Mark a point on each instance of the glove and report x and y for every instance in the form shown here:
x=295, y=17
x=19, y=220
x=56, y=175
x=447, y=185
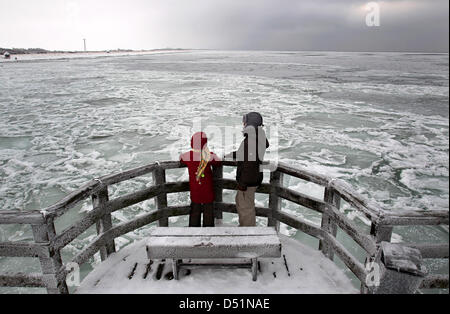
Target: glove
x=227, y=156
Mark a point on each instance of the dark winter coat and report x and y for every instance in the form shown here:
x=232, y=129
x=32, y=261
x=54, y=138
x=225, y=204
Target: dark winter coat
x=250, y=156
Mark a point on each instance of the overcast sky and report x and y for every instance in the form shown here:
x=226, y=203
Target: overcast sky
x=340, y=25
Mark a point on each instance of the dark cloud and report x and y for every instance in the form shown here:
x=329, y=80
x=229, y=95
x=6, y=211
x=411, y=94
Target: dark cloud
x=406, y=25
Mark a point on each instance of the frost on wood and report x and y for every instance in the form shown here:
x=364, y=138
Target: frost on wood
x=218, y=242
x=403, y=259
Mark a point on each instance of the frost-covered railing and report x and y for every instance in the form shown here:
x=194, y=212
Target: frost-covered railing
x=48, y=243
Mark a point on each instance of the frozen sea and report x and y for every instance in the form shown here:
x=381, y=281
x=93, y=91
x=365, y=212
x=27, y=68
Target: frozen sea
x=379, y=121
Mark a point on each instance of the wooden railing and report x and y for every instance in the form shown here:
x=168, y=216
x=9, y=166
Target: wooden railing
x=48, y=244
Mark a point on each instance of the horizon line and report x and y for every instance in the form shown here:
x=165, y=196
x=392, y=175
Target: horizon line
x=228, y=49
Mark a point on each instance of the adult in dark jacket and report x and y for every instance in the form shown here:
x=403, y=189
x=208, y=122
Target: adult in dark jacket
x=249, y=175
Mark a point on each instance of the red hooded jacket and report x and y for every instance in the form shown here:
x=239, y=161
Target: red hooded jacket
x=203, y=191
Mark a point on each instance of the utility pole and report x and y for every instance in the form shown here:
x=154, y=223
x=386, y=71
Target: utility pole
x=84, y=40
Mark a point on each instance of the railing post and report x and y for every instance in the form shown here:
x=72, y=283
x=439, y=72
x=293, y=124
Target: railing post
x=218, y=190
x=159, y=178
x=399, y=270
x=332, y=199
x=381, y=232
x=276, y=181
x=45, y=233
x=104, y=223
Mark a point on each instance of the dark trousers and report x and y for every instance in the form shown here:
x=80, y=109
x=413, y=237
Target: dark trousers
x=196, y=215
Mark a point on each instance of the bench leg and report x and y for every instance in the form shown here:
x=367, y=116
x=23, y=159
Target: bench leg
x=175, y=268
x=255, y=268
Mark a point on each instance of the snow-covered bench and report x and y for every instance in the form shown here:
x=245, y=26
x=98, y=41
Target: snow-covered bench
x=179, y=243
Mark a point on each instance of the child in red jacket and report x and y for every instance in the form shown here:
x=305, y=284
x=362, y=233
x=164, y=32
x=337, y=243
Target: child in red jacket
x=199, y=161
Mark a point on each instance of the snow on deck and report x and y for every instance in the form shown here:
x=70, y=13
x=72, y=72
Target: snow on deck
x=309, y=272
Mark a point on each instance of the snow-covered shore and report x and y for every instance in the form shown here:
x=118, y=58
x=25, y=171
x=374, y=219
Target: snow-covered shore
x=77, y=55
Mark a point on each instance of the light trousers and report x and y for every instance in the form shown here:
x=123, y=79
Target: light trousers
x=245, y=205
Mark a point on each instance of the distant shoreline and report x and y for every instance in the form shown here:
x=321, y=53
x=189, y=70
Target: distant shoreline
x=32, y=55
x=25, y=51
